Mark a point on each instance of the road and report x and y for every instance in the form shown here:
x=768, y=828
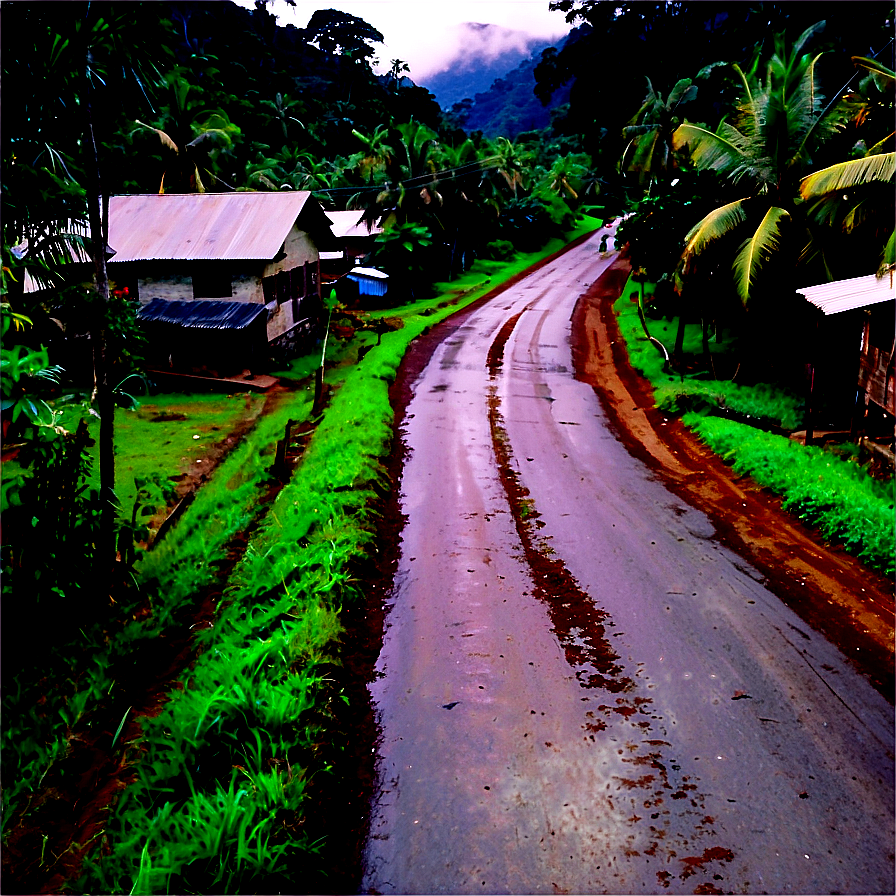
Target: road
x=580, y=690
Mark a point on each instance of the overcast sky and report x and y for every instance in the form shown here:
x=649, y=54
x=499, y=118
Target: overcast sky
x=429, y=35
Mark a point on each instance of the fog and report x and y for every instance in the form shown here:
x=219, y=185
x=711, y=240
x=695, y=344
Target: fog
x=431, y=37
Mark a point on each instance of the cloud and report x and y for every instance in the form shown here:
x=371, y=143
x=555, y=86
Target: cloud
x=468, y=45
x=432, y=37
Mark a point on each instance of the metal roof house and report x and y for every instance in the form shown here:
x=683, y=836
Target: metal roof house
x=208, y=264
x=863, y=308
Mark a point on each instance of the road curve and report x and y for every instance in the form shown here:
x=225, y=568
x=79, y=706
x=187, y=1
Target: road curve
x=579, y=689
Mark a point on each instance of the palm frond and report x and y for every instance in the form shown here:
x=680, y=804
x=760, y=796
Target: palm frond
x=844, y=175
x=720, y=151
x=805, y=37
x=881, y=72
x=165, y=140
x=756, y=250
x=716, y=224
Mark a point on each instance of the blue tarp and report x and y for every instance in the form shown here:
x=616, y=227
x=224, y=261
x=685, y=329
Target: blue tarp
x=370, y=282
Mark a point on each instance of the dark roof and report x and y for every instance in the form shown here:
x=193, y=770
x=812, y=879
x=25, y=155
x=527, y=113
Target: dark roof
x=205, y=314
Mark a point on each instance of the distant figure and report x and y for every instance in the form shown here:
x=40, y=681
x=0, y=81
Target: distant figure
x=603, y=242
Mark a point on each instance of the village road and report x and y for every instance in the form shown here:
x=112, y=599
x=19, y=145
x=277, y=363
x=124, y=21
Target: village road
x=580, y=690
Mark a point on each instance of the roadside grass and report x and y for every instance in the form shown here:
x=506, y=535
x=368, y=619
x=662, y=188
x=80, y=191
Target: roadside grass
x=42, y=720
x=828, y=490
x=219, y=800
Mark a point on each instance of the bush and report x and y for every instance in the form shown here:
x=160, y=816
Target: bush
x=499, y=250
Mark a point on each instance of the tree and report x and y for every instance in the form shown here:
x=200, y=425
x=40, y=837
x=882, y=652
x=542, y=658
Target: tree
x=779, y=124
x=192, y=133
x=74, y=66
x=851, y=200
x=650, y=151
x=395, y=72
x=339, y=33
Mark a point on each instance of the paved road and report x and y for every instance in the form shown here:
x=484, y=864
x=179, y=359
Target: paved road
x=580, y=690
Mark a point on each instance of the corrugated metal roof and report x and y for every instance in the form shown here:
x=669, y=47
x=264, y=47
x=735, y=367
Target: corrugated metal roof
x=202, y=226
x=205, y=314
x=845, y=295
x=349, y=224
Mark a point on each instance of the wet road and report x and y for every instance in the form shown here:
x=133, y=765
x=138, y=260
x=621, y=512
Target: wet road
x=580, y=690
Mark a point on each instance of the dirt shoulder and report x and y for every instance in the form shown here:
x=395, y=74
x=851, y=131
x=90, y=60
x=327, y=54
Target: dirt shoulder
x=832, y=591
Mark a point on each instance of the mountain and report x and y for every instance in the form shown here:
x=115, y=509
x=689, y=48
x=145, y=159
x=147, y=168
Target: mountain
x=505, y=104
x=488, y=52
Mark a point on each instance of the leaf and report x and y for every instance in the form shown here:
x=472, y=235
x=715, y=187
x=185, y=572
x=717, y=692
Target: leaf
x=845, y=175
x=716, y=224
x=757, y=250
x=875, y=67
x=720, y=151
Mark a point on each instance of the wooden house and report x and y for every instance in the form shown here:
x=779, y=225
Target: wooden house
x=223, y=279
x=861, y=311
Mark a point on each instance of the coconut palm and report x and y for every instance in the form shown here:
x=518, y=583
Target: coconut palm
x=779, y=124
x=377, y=154
x=853, y=195
x=192, y=133
x=649, y=150
x=507, y=160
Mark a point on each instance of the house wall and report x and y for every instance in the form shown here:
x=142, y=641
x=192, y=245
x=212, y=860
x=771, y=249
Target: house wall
x=298, y=248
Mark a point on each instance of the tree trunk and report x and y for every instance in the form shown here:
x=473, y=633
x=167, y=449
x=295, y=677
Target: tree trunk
x=97, y=210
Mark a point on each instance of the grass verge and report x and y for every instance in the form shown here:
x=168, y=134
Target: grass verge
x=829, y=492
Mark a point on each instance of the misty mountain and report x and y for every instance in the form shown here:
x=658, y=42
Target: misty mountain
x=506, y=104
x=489, y=52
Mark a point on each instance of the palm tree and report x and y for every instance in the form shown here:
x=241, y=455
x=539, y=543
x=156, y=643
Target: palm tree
x=650, y=150
x=281, y=108
x=395, y=72
x=778, y=126
x=377, y=154
x=187, y=160
x=849, y=197
x=509, y=161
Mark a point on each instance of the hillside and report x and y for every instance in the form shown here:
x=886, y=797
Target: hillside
x=508, y=106
x=489, y=52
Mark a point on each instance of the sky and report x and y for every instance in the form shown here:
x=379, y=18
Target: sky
x=429, y=35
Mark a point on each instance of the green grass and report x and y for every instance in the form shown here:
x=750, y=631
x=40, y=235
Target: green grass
x=157, y=439
x=40, y=720
x=829, y=491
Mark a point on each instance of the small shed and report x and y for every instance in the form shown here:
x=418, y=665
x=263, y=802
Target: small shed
x=874, y=299
x=371, y=282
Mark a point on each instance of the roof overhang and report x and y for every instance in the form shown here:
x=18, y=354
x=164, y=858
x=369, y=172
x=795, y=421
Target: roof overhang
x=847, y=295
x=202, y=314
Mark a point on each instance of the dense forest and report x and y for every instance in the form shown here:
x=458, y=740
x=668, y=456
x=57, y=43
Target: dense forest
x=749, y=144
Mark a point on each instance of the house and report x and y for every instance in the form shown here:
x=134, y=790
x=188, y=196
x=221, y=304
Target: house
x=223, y=279
x=354, y=235
x=859, y=313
